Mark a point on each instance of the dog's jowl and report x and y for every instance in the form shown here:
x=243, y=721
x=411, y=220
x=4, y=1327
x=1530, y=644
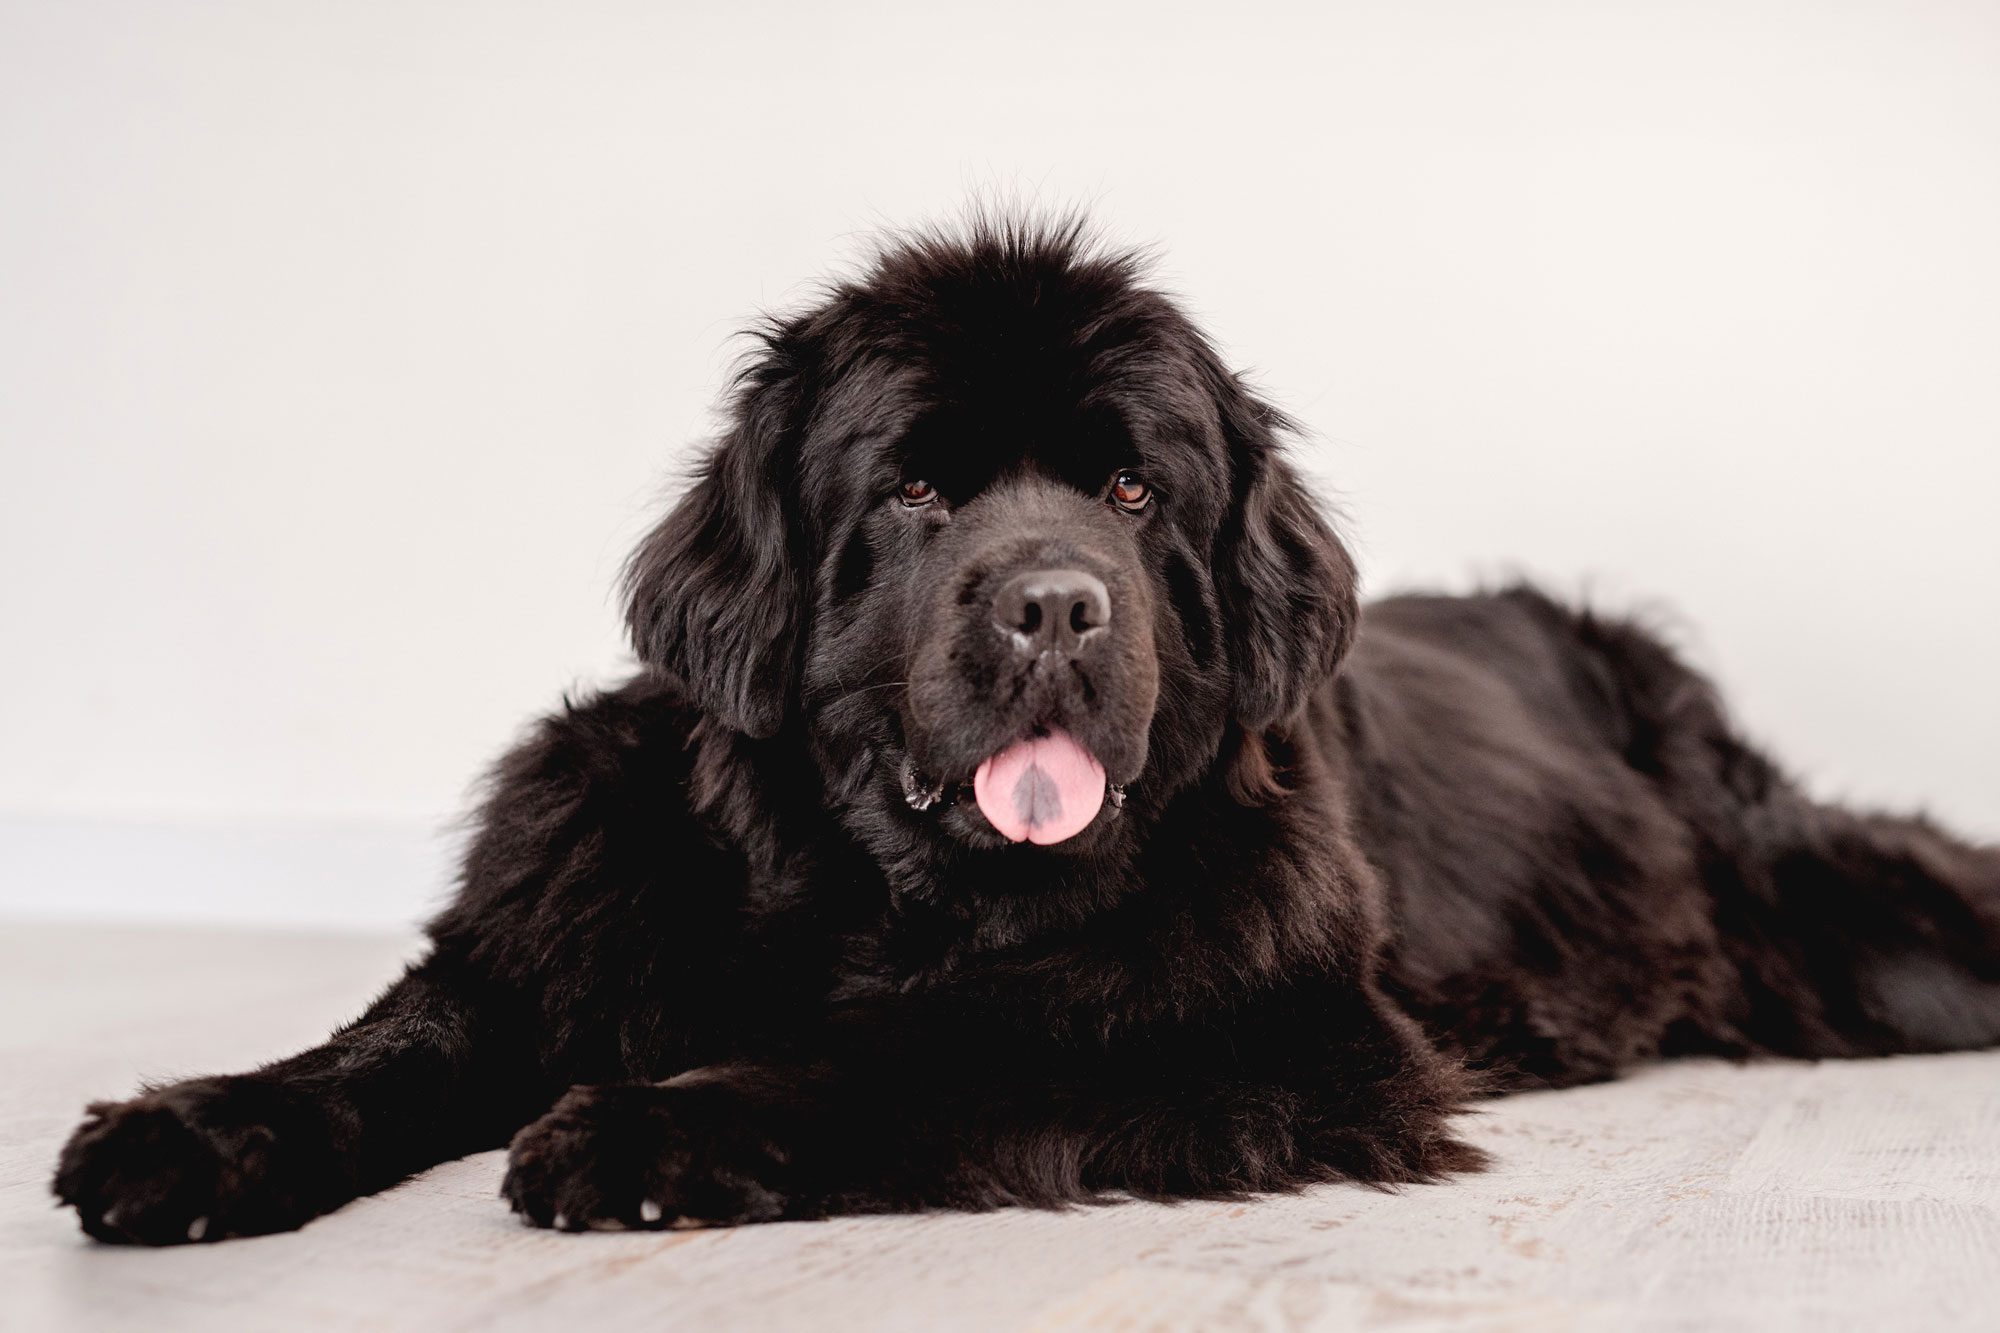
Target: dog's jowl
x=1016, y=805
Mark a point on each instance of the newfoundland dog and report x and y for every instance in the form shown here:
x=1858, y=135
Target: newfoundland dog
x=1017, y=806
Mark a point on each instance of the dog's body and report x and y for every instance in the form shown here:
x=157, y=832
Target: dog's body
x=1018, y=807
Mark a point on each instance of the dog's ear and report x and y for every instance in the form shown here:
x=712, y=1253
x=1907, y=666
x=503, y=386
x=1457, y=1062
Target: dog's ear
x=1287, y=585
x=714, y=596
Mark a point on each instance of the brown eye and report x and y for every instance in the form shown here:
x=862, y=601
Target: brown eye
x=1129, y=493
x=917, y=494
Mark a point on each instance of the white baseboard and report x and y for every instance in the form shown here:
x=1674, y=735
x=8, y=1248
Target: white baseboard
x=344, y=876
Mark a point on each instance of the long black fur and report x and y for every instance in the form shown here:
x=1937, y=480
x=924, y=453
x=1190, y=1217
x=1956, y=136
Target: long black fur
x=732, y=945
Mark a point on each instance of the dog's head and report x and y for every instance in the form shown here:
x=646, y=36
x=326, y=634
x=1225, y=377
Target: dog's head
x=997, y=534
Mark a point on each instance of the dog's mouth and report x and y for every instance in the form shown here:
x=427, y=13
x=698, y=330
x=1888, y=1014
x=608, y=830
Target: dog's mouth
x=1043, y=789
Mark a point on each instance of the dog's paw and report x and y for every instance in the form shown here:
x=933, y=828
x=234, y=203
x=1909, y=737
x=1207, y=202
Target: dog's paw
x=645, y=1156
x=193, y=1162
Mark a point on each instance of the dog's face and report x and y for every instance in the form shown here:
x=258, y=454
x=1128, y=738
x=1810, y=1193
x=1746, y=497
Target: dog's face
x=999, y=537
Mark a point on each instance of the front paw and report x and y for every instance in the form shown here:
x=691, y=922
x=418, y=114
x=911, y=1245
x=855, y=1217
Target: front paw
x=640, y=1155
x=196, y=1161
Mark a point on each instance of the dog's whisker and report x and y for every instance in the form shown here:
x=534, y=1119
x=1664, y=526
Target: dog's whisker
x=860, y=690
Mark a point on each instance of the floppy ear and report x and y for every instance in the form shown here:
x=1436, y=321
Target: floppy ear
x=1288, y=586
x=713, y=596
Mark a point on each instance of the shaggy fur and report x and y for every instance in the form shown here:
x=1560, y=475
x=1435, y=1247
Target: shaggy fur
x=733, y=945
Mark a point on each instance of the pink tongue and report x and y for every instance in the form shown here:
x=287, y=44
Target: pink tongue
x=1041, y=790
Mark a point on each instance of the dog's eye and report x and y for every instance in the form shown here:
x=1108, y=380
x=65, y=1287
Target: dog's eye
x=1129, y=493
x=917, y=494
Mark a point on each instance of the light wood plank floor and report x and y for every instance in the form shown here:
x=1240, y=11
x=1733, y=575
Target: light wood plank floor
x=1692, y=1196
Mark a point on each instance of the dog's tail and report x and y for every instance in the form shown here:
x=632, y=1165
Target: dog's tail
x=1853, y=933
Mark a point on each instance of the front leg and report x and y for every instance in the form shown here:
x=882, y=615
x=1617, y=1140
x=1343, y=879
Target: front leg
x=416, y=1080
x=711, y=1147
x=584, y=874
x=972, y=1126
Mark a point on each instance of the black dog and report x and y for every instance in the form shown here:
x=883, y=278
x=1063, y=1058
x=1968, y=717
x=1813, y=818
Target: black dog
x=1017, y=807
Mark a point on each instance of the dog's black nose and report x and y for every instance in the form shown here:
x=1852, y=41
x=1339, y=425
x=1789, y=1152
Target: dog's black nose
x=1060, y=609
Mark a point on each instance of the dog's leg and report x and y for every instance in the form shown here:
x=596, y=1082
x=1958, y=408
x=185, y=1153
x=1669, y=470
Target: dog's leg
x=1848, y=933
x=1861, y=934
x=593, y=921
x=412, y=1082
x=963, y=1121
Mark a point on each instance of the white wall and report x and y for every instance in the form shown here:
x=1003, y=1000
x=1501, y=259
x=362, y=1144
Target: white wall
x=344, y=348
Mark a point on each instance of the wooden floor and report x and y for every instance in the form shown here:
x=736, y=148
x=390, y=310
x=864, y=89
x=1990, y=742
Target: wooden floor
x=1693, y=1196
